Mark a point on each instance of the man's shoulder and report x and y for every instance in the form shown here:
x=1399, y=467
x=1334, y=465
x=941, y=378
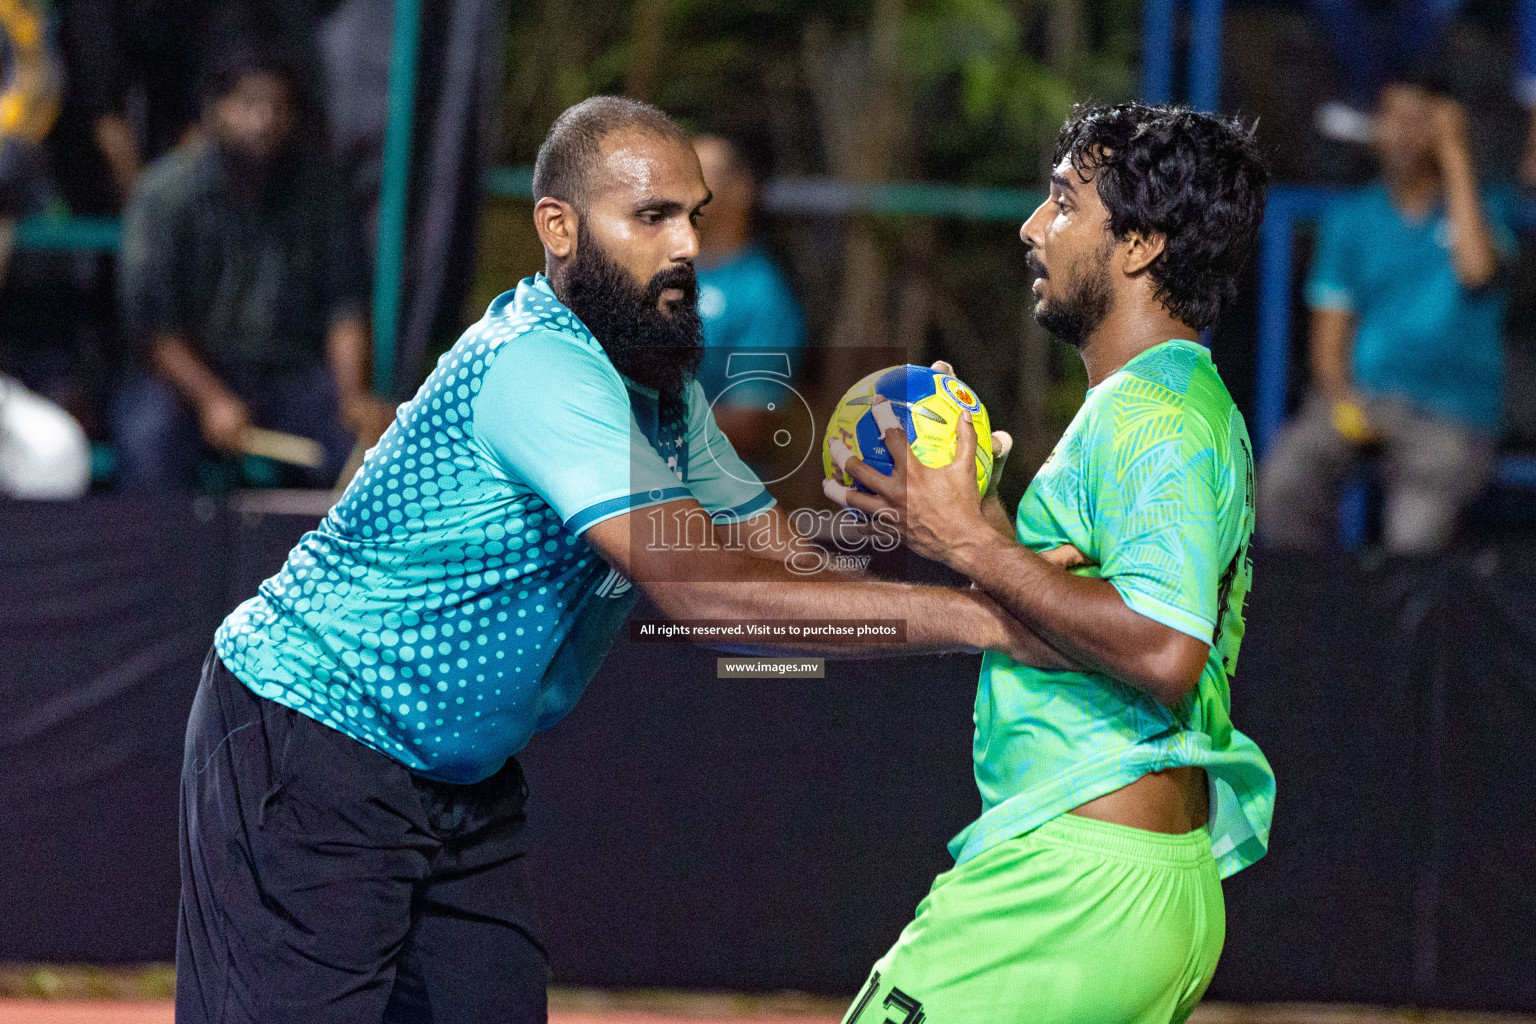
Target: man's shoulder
x=1372, y=200
x=1170, y=390
x=527, y=335
x=769, y=277
x=532, y=310
x=1501, y=206
x=1358, y=209
x=758, y=262
x=180, y=176
x=1162, y=373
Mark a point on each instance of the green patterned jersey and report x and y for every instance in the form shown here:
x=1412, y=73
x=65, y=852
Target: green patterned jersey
x=1153, y=482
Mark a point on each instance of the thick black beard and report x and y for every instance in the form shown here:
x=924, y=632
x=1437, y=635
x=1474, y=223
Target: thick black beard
x=656, y=349
x=1075, y=318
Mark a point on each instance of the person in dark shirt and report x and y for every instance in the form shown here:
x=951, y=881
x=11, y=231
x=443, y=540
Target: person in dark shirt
x=240, y=282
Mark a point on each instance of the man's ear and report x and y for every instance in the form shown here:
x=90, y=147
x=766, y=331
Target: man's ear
x=1141, y=251
x=555, y=221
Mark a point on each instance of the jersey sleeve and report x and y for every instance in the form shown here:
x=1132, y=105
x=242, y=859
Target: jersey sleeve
x=1331, y=284
x=554, y=415
x=721, y=482
x=1157, y=517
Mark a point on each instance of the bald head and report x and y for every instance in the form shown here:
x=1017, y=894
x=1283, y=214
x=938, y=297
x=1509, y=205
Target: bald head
x=573, y=151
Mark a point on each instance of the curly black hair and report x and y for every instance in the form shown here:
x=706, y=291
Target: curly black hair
x=1197, y=179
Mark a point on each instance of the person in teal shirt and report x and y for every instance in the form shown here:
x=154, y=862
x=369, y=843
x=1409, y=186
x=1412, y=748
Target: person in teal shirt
x=1408, y=297
x=754, y=332
x=1116, y=793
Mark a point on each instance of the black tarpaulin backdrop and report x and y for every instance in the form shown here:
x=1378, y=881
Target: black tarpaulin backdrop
x=458, y=77
x=695, y=832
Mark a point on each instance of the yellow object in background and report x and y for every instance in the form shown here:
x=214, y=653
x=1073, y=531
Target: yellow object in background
x=290, y=448
x=29, y=76
x=1351, y=423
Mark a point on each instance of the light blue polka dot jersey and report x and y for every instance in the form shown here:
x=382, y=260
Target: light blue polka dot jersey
x=447, y=608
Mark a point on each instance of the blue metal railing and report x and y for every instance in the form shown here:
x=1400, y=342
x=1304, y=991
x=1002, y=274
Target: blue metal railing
x=68, y=234
x=831, y=196
x=780, y=195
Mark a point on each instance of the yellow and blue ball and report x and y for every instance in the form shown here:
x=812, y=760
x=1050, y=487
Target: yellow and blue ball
x=927, y=403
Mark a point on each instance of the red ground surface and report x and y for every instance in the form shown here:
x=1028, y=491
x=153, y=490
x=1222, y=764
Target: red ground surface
x=27, y=1011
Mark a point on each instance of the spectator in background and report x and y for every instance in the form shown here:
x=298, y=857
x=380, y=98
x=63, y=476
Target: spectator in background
x=1407, y=300
x=133, y=69
x=130, y=94
x=43, y=451
x=240, y=280
x=744, y=300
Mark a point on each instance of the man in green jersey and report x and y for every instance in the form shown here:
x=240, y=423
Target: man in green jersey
x=1115, y=796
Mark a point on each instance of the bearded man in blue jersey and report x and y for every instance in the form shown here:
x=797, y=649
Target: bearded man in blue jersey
x=352, y=810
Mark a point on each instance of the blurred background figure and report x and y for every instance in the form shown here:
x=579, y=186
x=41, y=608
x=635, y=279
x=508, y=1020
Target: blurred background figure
x=353, y=42
x=44, y=454
x=241, y=286
x=131, y=94
x=1407, y=294
x=1412, y=33
x=29, y=76
x=133, y=70
x=746, y=303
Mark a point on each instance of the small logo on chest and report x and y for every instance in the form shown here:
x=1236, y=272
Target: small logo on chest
x=614, y=585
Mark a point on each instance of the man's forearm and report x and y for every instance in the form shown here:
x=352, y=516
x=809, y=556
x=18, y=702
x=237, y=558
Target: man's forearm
x=1331, y=334
x=720, y=581
x=935, y=605
x=997, y=517
x=175, y=362
x=347, y=354
x=936, y=619
x=1472, y=250
x=1085, y=619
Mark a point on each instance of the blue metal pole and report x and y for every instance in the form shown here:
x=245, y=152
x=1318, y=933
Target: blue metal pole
x=1287, y=205
x=1274, y=316
x=1354, y=513
x=1205, y=55
x=395, y=192
x=1157, y=51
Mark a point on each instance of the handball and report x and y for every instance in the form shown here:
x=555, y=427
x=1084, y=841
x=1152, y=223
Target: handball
x=927, y=403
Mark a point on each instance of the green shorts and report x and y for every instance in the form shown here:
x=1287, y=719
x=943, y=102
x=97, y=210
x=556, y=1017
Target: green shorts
x=1077, y=922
